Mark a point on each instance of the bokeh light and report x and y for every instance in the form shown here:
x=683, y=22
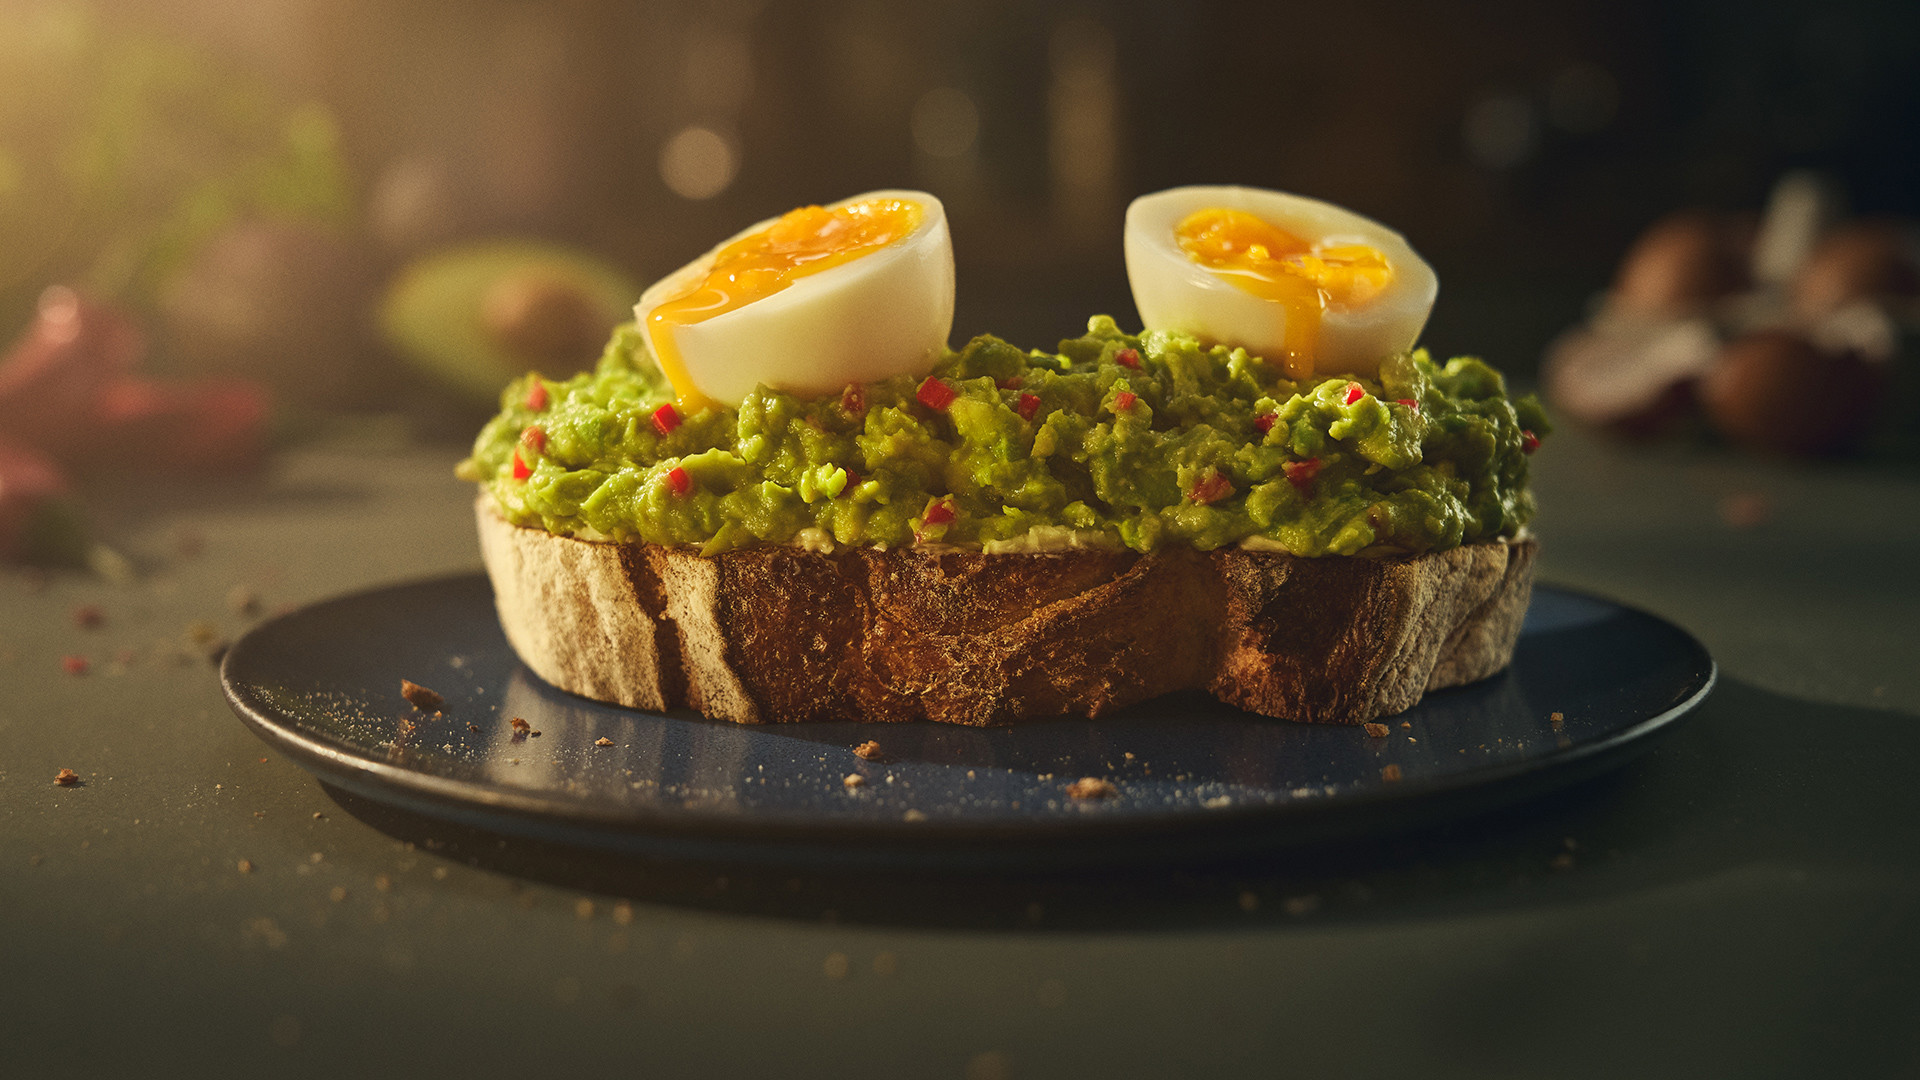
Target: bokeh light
x=946, y=122
x=698, y=163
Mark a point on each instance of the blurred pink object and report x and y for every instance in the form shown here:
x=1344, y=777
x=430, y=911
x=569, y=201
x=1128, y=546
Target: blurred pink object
x=54, y=374
x=66, y=391
x=207, y=425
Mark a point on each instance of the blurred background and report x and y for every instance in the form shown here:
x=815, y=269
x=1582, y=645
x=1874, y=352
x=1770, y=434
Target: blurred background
x=357, y=204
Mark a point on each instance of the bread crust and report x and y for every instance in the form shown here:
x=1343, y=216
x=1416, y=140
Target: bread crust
x=782, y=634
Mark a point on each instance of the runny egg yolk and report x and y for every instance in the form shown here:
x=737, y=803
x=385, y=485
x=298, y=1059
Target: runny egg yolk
x=801, y=243
x=1276, y=265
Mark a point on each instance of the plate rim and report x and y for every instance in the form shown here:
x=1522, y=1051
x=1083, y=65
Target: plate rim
x=383, y=780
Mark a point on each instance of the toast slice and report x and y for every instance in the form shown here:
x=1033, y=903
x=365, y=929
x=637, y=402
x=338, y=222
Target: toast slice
x=782, y=634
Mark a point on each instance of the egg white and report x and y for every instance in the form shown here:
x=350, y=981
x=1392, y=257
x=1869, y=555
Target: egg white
x=886, y=313
x=1173, y=292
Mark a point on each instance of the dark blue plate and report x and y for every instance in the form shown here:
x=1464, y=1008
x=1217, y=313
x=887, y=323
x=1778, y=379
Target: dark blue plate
x=1590, y=682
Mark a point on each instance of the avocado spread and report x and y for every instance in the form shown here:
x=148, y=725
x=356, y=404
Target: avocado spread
x=1116, y=440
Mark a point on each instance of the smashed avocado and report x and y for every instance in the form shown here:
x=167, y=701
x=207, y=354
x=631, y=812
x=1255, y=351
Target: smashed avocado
x=1116, y=440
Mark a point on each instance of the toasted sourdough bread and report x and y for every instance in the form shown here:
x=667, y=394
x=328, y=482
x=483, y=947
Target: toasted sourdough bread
x=776, y=634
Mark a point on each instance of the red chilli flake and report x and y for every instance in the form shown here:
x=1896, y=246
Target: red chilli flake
x=1301, y=473
x=75, y=665
x=1123, y=401
x=1529, y=442
x=854, y=400
x=1211, y=490
x=535, y=439
x=520, y=470
x=1264, y=422
x=1355, y=392
x=1127, y=358
x=853, y=481
x=935, y=394
x=537, y=396
x=940, y=513
x=1012, y=382
x=1029, y=405
x=665, y=419
x=1408, y=402
x=679, y=482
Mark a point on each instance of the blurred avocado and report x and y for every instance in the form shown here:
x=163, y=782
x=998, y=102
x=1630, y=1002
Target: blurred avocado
x=475, y=316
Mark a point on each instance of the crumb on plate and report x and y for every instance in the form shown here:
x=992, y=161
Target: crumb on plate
x=419, y=696
x=1091, y=787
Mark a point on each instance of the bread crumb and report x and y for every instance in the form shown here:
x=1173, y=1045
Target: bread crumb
x=603, y=741
x=317, y=815
x=473, y=727
x=1090, y=787
x=853, y=780
x=867, y=751
x=1558, y=720
x=243, y=601
x=1406, y=723
x=245, y=866
x=206, y=638
x=583, y=909
x=521, y=727
x=338, y=894
x=383, y=883
x=66, y=778
x=623, y=913
x=1390, y=773
x=1376, y=731
x=419, y=696
x=913, y=815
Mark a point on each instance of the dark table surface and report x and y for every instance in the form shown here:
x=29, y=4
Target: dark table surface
x=1744, y=900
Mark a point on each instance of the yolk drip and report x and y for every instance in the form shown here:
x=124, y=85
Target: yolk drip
x=1276, y=265
x=802, y=242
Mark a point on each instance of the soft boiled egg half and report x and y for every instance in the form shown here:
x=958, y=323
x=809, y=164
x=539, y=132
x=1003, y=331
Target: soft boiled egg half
x=1303, y=283
x=808, y=302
